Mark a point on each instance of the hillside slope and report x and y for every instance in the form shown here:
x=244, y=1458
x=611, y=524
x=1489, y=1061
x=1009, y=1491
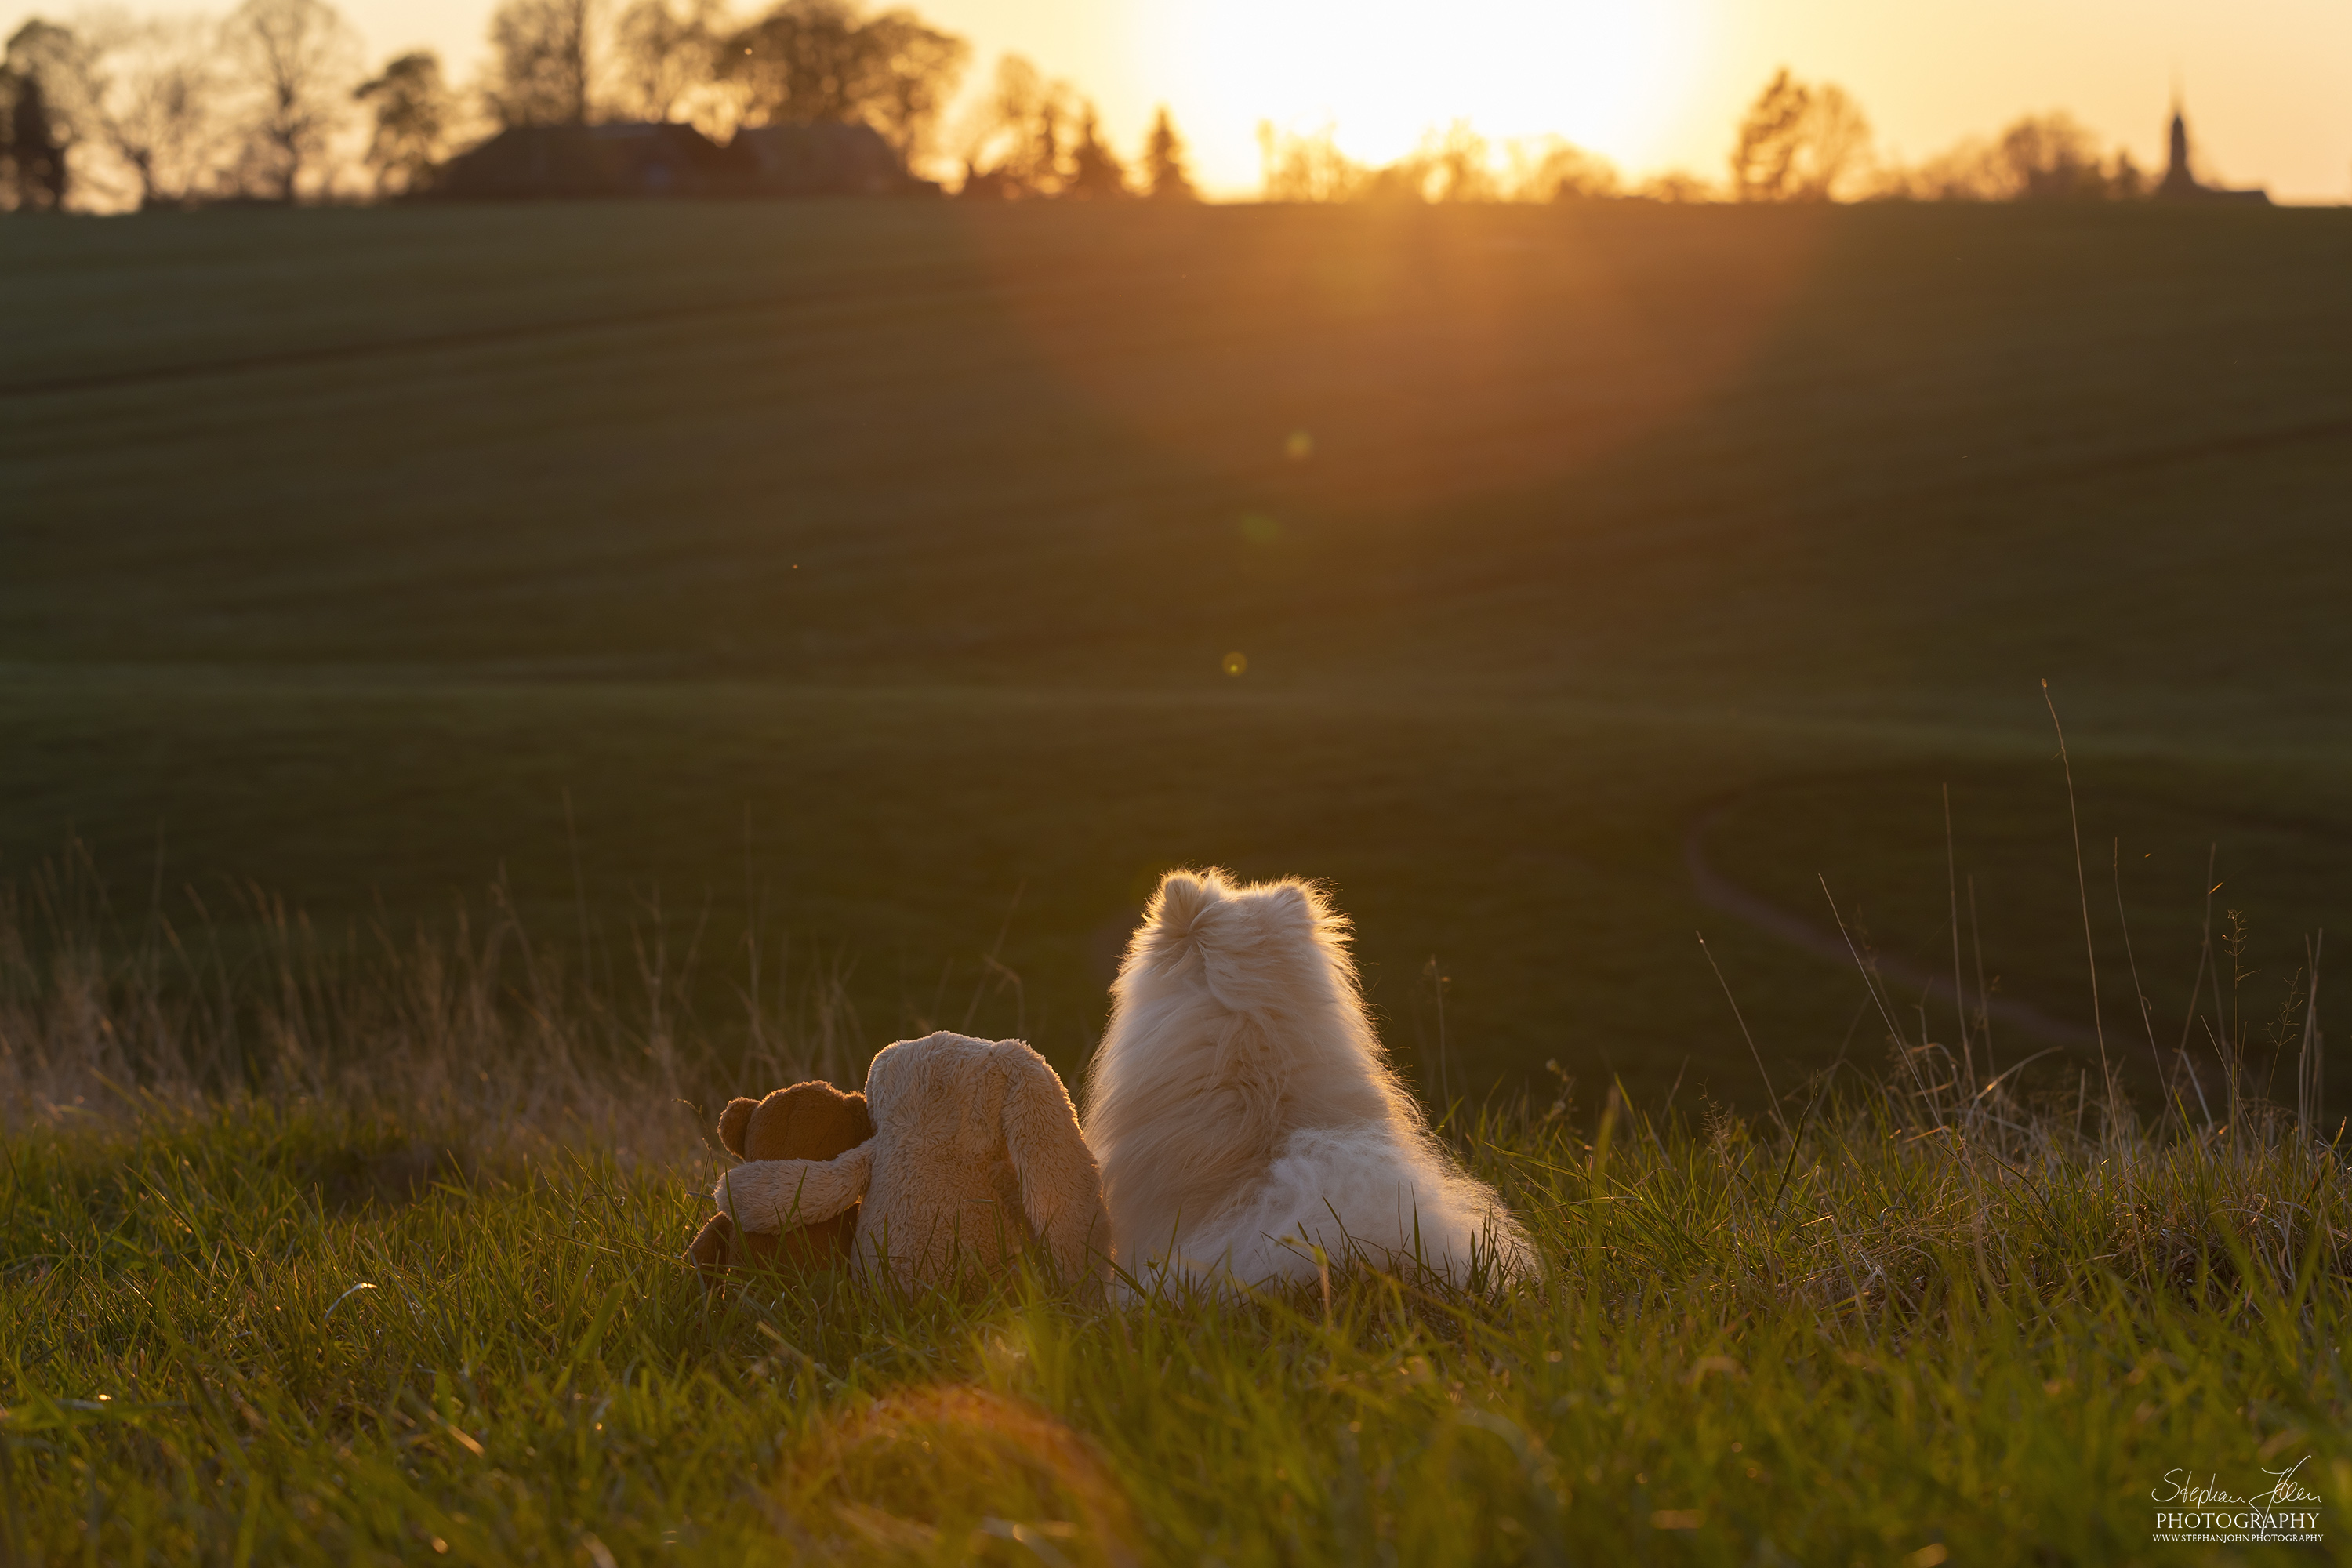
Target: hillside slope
x=884, y=557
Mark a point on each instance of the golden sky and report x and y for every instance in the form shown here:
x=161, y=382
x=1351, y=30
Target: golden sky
x=1653, y=84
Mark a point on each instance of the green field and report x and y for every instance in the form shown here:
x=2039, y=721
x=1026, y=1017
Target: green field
x=858, y=577
x=427, y=1308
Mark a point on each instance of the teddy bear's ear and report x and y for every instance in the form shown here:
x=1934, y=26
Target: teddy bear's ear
x=731, y=1122
x=862, y=1114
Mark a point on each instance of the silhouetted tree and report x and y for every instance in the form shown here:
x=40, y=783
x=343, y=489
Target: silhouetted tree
x=541, y=64
x=1763, y=160
x=10, y=89
x=985, y=185
x=1042, y=166
x=822, y=61
x=49, y=75
x=1796, y=142
x=1010, y=139
x=1307, y=168
x=663, y=55
x=1455, y=165
x=297, y=58
x=1096, y=172
x=2126, y=180
x=413, y=109
x=2051, y=157
x=1552, y=170
x=1165, y=177
x=155, y=93
x=1451, y=165
x=2048, y=157
x=35, y=162
x=12, y=194
x=921, y=66
x=1674, y=187
x=1837, y=142
x=1962, y=173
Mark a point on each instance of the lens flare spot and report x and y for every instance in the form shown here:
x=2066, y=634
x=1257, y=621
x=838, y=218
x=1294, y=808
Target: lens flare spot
x=956, y=1464
x=1261, y=528
x=1235, y=663
x=1299, y=446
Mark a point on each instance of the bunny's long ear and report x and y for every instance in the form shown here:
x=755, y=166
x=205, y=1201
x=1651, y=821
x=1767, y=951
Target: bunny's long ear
x=771, y=1196
x=1061, y=1188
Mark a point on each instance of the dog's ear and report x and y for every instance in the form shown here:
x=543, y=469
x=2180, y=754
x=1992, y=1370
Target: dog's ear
x=731, y=1122
x=1061, y=1186
x=1296, y=900
x=1182, y=898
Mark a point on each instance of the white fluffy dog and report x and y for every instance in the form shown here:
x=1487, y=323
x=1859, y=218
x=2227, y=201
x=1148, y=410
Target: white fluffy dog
x=1243, y=1112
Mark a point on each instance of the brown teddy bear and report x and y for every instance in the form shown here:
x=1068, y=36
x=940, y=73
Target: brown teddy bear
x=975, y=1158
x=810, y=1121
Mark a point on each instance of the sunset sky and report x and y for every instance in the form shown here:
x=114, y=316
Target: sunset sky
x=1653, y=86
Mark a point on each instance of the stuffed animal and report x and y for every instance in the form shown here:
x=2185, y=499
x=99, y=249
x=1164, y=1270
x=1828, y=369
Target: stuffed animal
x=807, y=1121
x=975, y=1157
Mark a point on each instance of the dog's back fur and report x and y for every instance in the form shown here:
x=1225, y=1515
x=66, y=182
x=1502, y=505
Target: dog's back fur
x=1243, y=1110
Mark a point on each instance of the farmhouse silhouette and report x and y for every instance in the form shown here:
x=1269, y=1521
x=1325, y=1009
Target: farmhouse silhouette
x=659, y=159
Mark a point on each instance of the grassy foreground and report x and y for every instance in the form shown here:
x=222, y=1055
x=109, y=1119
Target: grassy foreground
x=367, y=1268
x=231, y=1345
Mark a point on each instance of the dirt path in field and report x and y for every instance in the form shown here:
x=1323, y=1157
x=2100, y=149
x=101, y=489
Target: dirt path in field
x=1904, y=984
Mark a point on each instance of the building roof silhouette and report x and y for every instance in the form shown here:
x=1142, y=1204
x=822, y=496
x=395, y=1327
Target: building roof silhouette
x=620, y=159
x=641, y=158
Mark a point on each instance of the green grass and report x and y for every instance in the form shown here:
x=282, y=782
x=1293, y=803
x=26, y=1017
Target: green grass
x=853, y=570
x=335, y=1332
x=367, y=1253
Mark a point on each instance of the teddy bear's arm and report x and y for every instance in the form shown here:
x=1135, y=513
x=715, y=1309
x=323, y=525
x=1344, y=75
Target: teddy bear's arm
x=1061, y=1187
x=770, y=1196
x=711, y=1248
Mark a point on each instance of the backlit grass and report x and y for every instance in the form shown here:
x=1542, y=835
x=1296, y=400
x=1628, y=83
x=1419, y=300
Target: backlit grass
x=235, y=1341
x=349, y=1261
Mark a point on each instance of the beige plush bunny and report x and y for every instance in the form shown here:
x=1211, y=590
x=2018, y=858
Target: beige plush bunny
x=975, y=1156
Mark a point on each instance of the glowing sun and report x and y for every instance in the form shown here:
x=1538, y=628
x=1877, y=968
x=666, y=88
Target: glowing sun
x=1380, y=72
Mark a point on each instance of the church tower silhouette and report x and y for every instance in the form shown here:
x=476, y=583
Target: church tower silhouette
x=2180, y=181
